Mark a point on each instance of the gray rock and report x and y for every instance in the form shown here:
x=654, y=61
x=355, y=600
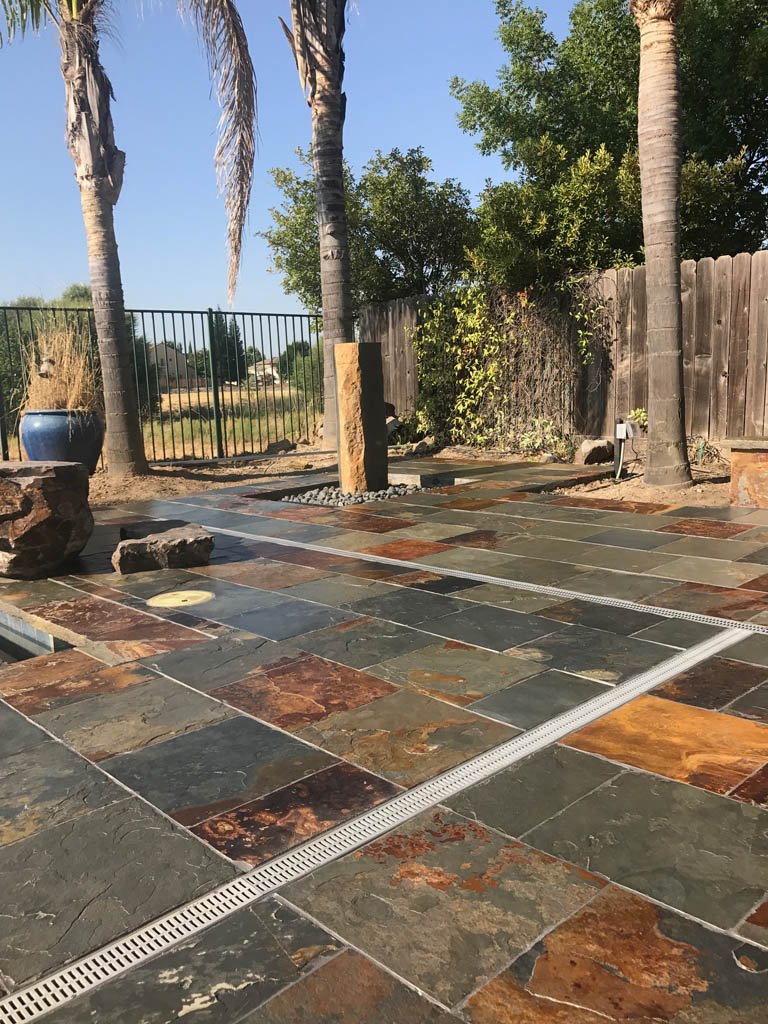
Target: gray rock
x=280, y=446
x=44, y=516
x=592, y=453
x=169, y=546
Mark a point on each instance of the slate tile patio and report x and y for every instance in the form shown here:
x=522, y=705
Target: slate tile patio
x=275, y=709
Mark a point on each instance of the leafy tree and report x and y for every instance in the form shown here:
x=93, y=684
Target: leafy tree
x=253, y=355
x=563, y=117
x=295, y=352
x=230, y=352
x=408, y=235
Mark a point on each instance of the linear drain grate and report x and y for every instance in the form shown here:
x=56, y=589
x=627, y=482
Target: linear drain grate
x=532, y=588
x=118, y=957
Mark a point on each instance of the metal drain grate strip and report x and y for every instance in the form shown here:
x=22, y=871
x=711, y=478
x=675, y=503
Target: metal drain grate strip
x=118, y=957
x=532, y=588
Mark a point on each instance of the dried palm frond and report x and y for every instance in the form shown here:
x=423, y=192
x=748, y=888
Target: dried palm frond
x=317, y=41
x=221, y=32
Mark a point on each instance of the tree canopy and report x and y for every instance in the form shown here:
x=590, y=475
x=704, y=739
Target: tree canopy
x=409, y=234
x=563, y=117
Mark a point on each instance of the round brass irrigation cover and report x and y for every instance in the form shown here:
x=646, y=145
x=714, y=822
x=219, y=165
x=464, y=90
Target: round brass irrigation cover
x=180, y=599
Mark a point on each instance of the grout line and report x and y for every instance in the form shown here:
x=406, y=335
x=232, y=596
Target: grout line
x=116, y=958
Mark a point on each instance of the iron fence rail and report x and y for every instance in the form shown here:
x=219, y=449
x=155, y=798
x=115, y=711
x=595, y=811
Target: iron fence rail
x=210, y=384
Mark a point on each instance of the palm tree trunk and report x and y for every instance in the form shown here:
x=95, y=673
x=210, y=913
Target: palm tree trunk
x=659, y=121
x=335, y=280
x=124, y=442
x=99, y=173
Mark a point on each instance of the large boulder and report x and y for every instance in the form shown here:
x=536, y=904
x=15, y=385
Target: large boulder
x=44, y=516
x=592, y=453
x=162, y=545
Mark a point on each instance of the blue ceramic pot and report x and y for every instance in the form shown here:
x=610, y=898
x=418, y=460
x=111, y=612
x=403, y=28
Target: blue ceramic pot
x=61, y=435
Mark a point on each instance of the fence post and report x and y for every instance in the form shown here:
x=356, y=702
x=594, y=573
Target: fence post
x=4, y=450
x=212, y=356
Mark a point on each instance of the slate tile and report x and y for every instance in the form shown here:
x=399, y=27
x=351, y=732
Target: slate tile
x=363, y=642
x=703, y=854
x=611, y=504
x=487, y=626
x=45, y=669
x=758, y=556
x=264, y=574
x=754, y=649
x=307, y=690
x=442, y=901
x=754, y=790
x=712, y=683
x=264, y=828
x=623, y=958
x=409, y=607
x=114, y=723
x=289, y=619
x=79, y=885
x=508, y=597
x=533, y=790
x=677, y=633
x=706, y=528
x=16, y=733
x=720, y=550
x=230, y=969
x=454, y=671
x=339, y=591
x=406, y=550
x=435, y=584
x=755, y=925
x=640, y=540
x=538, y=699
x=708, y=599
x=212, y=770
x=46, y=784
x=752, y=705
x=99, y=680
x=627, y=586
x=612, y=620
x=605, y=657
x=351, y=989
x=723, y=514
x=704, y=748
x=222, y=660
x=406, y=737
x=710, y=571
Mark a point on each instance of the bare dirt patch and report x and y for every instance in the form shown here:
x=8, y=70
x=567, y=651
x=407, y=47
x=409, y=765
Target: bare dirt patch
x=168, y=481
x=710, y=488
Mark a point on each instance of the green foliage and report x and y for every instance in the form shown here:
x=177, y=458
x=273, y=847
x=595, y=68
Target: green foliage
x=297, y=350
x=544, y=436
x=563, y=117
x=408, y=235
x=640, y=417
x=229, y=351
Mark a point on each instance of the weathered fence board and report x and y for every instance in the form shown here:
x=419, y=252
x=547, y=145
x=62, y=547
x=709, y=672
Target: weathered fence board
x=725, y=350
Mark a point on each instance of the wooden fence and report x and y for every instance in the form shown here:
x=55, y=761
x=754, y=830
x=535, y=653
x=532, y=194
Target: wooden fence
x=725, y=349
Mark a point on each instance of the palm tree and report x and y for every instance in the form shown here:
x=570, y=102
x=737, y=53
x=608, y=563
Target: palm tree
x=354, y=419
x=658, y=129
x=99, y=168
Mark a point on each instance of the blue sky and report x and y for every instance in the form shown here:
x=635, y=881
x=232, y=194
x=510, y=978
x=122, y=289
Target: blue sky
x=170, y=221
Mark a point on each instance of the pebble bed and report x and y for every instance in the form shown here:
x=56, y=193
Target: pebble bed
x=335, y=496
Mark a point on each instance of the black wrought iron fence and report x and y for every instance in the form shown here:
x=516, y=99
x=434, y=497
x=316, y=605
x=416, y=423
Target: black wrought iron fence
x=210, y=384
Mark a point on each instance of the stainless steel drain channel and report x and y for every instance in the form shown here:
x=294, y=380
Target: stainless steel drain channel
x=162, y=934
x=531, y=588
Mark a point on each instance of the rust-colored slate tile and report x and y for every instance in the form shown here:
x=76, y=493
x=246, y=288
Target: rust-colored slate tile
x=624, y=959
x=754, y=790
x=272, y=576
x=488, y=540
x=704, y=748
x=612, y=505
x=706, y=528
x=759, y=583
x=292, y=696
x=266, y=827
x=470, y=504
x=37, y=699
x=407, y=549
x=46, y=670
x=713, y=683
x=739, y=603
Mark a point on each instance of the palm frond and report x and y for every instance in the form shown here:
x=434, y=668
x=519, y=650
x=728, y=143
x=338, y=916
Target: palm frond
x=23, y=15
x=221, y=32
x=317, y=41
